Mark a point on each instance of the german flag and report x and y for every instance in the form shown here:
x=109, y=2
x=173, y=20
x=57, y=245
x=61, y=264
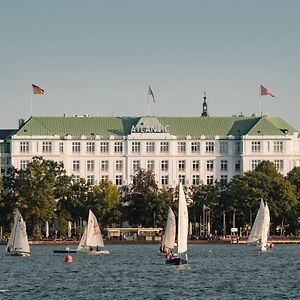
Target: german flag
x=37, y=90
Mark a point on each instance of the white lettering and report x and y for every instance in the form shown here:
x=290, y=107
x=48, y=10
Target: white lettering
x=150, y=129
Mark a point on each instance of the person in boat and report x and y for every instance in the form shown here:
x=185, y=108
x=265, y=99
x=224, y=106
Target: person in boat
x=171, y=255
x=91, y=248
x=163, y=249
x=97, y=248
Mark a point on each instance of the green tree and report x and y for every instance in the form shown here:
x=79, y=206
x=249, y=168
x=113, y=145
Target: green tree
x=105, y=201
x=32, y=191
x=265, y=182
x=140, y=204
x=206, y=203
x=294, y=178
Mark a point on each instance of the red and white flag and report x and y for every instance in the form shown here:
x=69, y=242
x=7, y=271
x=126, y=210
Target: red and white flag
x=265, y=91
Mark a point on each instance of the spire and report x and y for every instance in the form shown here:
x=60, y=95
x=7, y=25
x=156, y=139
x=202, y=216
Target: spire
x=204, y=107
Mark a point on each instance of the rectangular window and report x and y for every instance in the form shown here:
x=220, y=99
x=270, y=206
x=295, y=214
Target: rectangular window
x=181, y=147
x=104, y=165
x=196, y=180
x=254, y=164
x=90, y=179
x=104, y=178
x=150, y=165
x=136, y=165
x=76, y=165
x=195, y=147
x=278, y=146
x=61, y=147
x=223, y=147
x=209, y=147
x=119, y=165
x=136, y=147
x=164, y=165
x=104, y=146
x=46, y=147
x=150, y=147
x=224, y=165
x=90, y=165
x=24, y=147
x=181, y=165
x=238, y=166
x=181, y=178
x=196, y=165
x=119, y=180
x=209, y=179
x=164, y=147
x=164, y=180
x=210, y=165
x=118, y=147
x=76, y=178
x=75, y=147
x=223, y=179
x=278, y=165
x=237, y=147
x=255, y=146
x=90, y=147
x=24, y=164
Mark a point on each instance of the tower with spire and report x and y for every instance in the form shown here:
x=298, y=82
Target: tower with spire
x=204, y=107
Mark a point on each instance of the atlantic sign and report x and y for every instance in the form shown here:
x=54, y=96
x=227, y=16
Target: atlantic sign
x=150, y=129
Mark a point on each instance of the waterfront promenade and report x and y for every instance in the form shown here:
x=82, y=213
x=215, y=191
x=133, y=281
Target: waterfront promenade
x=276, y=240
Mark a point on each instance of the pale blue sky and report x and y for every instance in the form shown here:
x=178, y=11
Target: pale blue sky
x=98, y=57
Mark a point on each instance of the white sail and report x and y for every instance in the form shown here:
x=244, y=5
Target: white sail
x=92, y=236
x=47, y=229
x=256, y=231
x=18, y=241
x=265, y=228
x=183, y=222
x=170, y=231
x=10, y=243
x=82, y=242
x=69, y=229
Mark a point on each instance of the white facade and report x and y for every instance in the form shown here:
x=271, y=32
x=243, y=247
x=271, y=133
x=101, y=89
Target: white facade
x=191, y=161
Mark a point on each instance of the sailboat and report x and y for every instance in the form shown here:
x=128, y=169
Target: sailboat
x=182, y=232
x=18, y=242
x=260, y=229
x=168, y=241
x=91, y=241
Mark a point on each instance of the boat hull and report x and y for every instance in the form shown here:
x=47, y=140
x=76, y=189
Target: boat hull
x=18, y=253
x=176, y=261
x=64, y=251
x=93, y=252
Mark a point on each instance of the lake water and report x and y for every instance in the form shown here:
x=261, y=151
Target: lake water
x=140, y=272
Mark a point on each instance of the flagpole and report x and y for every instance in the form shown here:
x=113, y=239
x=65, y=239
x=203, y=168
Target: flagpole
x=148, y=103
x=259, y=102
x=31, y=100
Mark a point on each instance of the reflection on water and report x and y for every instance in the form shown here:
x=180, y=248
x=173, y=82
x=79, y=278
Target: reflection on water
x=140, y=272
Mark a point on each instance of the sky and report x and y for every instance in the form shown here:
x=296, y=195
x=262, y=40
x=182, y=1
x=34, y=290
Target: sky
x=99, y=57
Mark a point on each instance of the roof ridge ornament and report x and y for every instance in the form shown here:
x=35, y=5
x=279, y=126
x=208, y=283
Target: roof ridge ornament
x=204, y=107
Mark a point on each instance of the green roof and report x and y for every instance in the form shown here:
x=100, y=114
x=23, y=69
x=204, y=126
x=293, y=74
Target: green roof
x=178, y=126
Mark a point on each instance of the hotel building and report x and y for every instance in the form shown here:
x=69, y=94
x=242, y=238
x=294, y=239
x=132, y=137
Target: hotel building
x=192, y=150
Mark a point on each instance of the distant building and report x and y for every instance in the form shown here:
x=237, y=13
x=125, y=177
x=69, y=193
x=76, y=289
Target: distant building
x=187, y=149
x=5, y=153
